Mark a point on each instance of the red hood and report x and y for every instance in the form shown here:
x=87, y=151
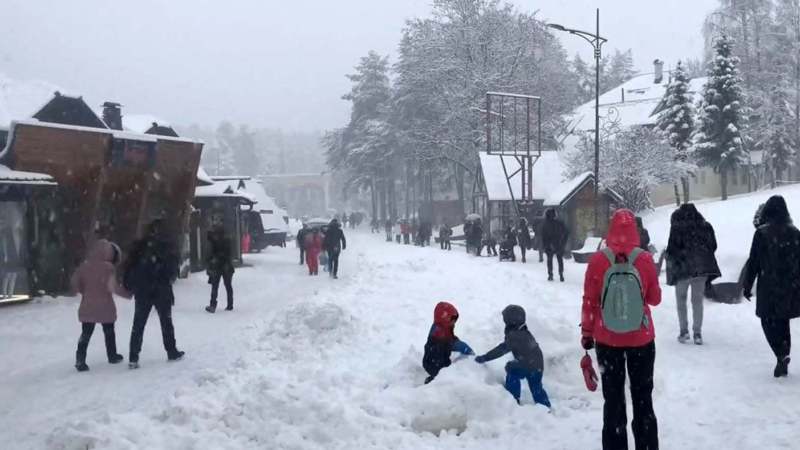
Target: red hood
x=623, y=236
x=444, y=320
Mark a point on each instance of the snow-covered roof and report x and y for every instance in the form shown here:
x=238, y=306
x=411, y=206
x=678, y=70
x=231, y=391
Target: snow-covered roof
x=547, y=174
x=116, y=133
x=140, y=123
x=223, y=189
x=265, y=203
x=203, y=178
x=8, y=176
x=641, y=97
x=22, y=99
x=563, y=192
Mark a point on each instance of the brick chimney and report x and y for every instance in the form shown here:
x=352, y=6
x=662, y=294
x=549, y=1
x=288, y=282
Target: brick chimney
x=658, y=69
x=112, y=115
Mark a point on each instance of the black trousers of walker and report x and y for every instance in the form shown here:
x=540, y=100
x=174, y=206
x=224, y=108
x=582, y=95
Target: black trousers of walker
x=560, y=259
x=163, y=307
x=640, y=362
x=779, y=336
x=333, y=262
x=302, y=255
x=227, y=279
x=86, y=335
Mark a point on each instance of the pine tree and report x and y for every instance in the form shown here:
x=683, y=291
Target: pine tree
x=585, y=76
x=718, y=142
x=676, y=122
x=778, y=144
x=620, y=69
x=224, y=144
x=245, y=155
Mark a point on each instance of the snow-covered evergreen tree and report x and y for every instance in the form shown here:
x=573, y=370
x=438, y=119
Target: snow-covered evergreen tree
x=585, y=78
x=718, y=142
x=778, y=145
x=224, y=146
x=246, y=156
x=676, y=122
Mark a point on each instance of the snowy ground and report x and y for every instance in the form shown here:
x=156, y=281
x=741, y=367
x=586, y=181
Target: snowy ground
x=315, y=364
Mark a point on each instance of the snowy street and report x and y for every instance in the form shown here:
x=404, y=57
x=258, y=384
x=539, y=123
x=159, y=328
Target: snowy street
x=311, y=363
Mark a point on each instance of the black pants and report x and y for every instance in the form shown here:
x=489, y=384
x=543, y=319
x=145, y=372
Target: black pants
x=522, y=249
x=640, y=362
x=302, y=256
x=142, y=312
x=227, y=279
x=86, y=335
x=779, y=336
x=333, y=262
x=560, y=259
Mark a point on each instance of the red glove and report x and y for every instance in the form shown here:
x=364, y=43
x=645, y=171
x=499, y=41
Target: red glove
x=589, y=375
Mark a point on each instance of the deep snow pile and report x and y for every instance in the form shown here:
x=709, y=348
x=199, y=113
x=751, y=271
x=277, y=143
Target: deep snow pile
x=309, y=363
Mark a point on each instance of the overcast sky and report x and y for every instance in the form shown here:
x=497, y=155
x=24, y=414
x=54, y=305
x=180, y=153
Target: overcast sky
x=272, y=63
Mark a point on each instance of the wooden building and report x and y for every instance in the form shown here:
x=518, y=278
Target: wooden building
x=573, y=201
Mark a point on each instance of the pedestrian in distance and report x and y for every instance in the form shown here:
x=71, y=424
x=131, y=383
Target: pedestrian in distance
x=620, y=287
x=523, y=237
x=775, y=261
x=333, y=243
x=442, y=341
x=644, y=235
x=690, y=264
x=387, y=227
x=528, y=362
x=151, y=270
x=219, y=266
x=444, y=236
x=301, y=239
x=554, y=240
x=96, y=281
x=313, y=246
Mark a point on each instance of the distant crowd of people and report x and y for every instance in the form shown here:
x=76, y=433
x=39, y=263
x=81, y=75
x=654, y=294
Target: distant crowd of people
x=312, y=241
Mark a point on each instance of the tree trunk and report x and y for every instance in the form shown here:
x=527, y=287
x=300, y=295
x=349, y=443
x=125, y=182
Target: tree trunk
x=382, y=191
x=408, y=192
x=723, y=179
x=677, y=195
x=374, y=199
x=392, y=200
x=459, y=177
x=687, y=196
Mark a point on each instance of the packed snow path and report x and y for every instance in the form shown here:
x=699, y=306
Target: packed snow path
x=313, y=363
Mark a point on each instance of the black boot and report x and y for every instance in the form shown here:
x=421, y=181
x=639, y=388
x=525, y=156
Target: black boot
x=212, y=308
x=111, y=345
x=782, y=368
x=176, y=355
x=80, y=355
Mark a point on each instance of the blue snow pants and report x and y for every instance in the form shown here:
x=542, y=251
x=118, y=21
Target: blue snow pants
x=514, y=376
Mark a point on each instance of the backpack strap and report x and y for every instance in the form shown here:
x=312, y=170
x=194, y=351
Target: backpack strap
x=612, y=258
x=634, y=254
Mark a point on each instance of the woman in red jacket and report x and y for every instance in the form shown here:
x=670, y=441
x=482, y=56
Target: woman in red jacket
x=614, y=349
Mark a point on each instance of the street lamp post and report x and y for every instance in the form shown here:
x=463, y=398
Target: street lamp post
x=596, y=42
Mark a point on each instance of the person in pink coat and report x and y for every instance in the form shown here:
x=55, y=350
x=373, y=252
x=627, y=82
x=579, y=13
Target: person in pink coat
x=96, y=281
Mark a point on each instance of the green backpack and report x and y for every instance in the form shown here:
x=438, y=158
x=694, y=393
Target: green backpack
x=622, y=303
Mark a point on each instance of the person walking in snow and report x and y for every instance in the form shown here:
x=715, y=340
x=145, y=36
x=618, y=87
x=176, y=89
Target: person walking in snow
x=528, y=362
x=387, y=227
x=644, y=235
x=523, y=237
x=690, y=263
x=334, y=242
x=219, y=266
x=313, y=246
x=619, y=337
x=96, y=281
x=442, y=341
x=152, y=268
x=301, y=242
x=554, y=240
x=444, y=236
x=775, y=261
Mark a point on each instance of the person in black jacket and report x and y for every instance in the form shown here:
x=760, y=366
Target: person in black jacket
x=528, y=362
x=644, y=235
x=690, y=263
x=775, y=261
x=554, y=239
x=151, y=269
x=523, y=237
x=333, y=243
x=301, y=239
x=219, y=266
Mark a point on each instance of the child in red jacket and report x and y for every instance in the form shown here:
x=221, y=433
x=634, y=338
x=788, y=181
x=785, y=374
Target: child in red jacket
x=614, y=349
x=313, y=244
x=442, y=341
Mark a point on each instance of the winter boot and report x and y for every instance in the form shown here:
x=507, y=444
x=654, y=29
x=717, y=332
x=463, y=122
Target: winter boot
x=698, y=339
x=175, y=356
x=562, y=277
x=115, y=359
x=211, y=309
x=132, y=365
x=550, y=277
x=81, y=366
x=781, y=369
x=683, y=337
x=229, y=308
